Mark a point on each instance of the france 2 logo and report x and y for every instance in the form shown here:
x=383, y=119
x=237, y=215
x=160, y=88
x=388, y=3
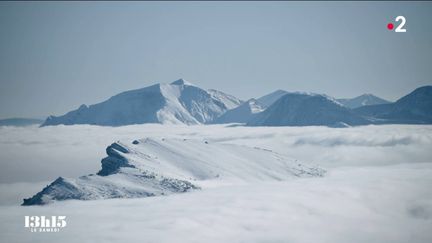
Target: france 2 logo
x=400, y=28
x=44, y=223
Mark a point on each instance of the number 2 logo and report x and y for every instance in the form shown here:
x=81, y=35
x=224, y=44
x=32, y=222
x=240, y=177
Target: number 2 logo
x=400, y=27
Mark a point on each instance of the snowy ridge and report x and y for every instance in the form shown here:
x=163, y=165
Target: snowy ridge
x=229, y=101
x=159, y=166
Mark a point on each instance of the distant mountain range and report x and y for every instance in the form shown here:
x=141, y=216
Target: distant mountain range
x=181, y=102
x=20, y=122
x=414, y=108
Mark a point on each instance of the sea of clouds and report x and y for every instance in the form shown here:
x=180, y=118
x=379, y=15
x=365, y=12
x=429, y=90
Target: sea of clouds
x=377, y=188
x=33, y=154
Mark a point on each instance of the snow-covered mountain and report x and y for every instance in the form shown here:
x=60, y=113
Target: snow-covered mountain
x=177, y=103
x=414, y=108
x=362, y=100
x=160, y=166
x=269, y=99
x=241, y=114
x=181, y=102
x=306, y=109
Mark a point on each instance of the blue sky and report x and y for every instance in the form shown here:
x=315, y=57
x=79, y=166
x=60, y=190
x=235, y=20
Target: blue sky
x=55, y=56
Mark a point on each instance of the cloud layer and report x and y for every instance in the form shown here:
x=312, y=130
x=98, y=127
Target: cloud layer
x=377, y=188
x=31, y=154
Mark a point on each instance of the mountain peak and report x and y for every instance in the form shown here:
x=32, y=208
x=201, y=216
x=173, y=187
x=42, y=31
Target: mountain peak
x=413, y=108
x=181, y=82
x=362, y=100
x=269, y=99
x=177, y=103
x=305, y=109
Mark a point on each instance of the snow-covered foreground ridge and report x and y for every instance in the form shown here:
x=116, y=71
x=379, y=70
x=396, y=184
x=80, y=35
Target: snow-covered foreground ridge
x=160, y=166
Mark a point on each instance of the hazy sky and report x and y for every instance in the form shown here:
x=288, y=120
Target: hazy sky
x=56, y=56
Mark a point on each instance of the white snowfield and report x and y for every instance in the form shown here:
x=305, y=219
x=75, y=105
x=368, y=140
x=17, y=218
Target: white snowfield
x=376, y=188
x=192, y=159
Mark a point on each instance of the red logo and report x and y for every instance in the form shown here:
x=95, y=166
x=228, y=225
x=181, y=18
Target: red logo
x=390, y=26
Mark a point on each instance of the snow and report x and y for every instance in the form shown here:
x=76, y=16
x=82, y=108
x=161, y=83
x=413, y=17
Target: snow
x=179, y=102
x=173, y=112
x=150, y=167
x=376, y=189
x=241, y=114
x=230, y=101
x=306, y=109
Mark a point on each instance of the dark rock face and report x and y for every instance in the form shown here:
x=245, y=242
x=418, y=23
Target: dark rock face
x=114, y=161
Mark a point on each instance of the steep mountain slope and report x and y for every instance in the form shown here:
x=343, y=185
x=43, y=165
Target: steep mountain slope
x=362, y=100
x=414, y=108
x=150, y=167
x=269, y=99
x=175, y=103
x=242, y=113
x=229, y=101
x=301, y=109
